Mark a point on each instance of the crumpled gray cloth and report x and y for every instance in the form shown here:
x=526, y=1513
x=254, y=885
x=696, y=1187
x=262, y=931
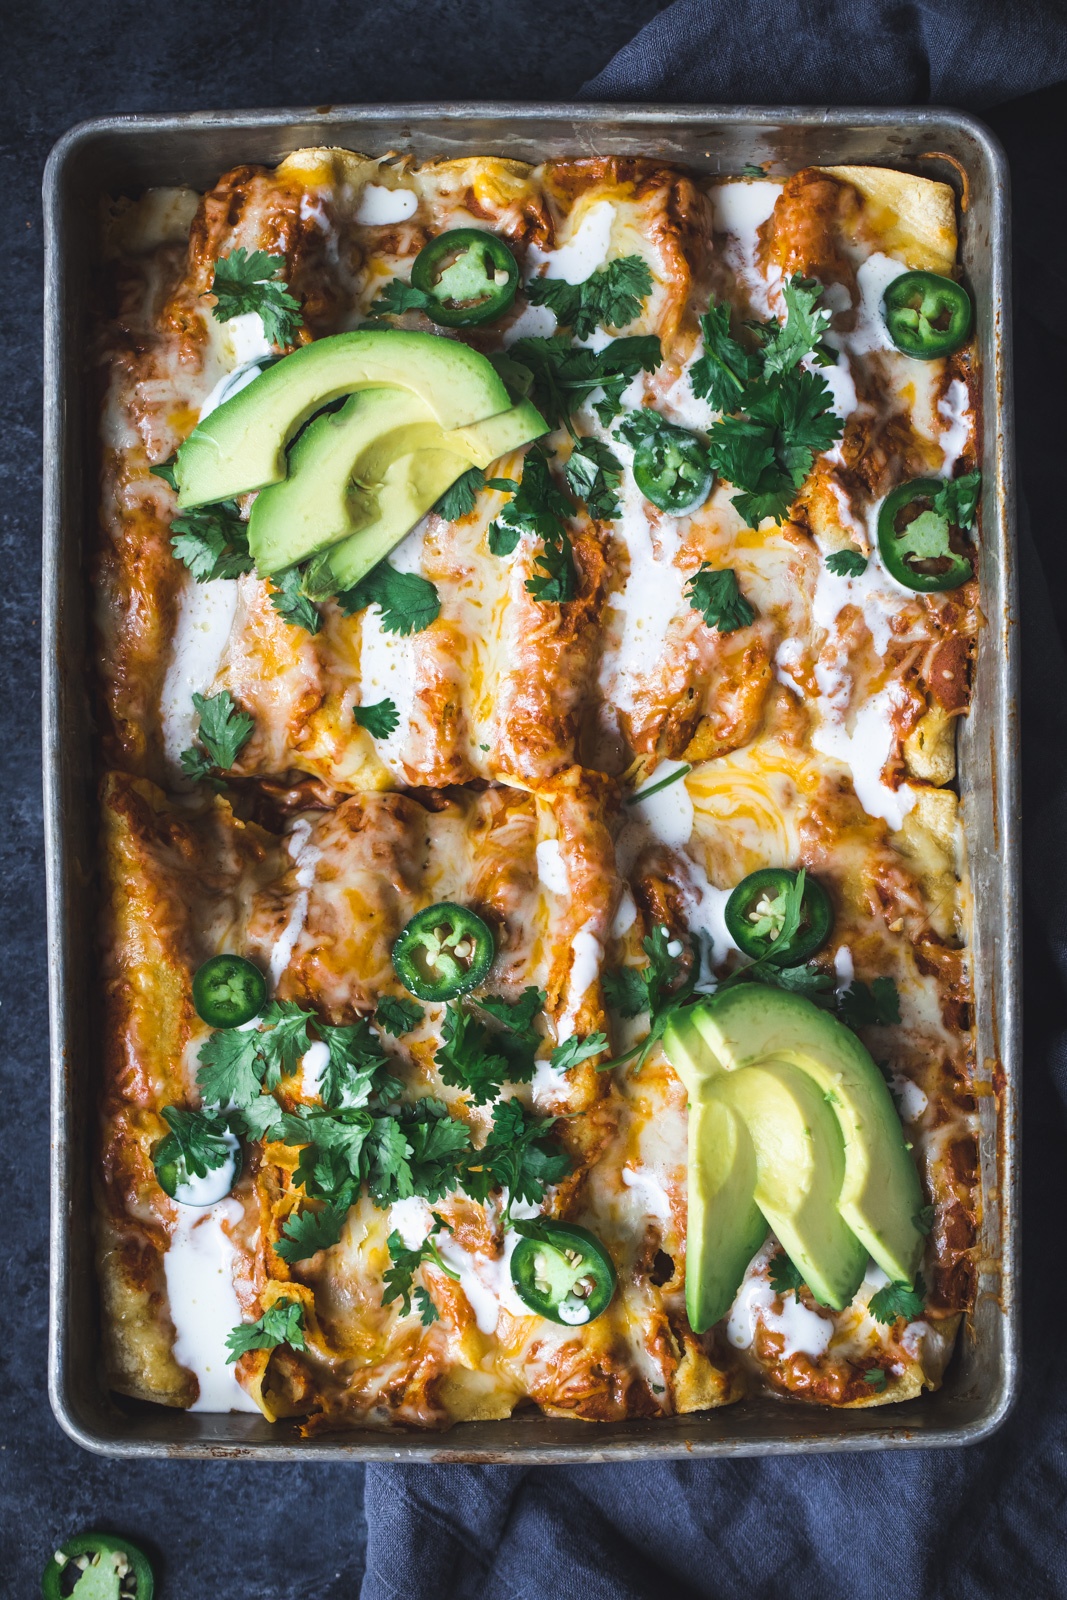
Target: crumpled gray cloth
x=977, y=1524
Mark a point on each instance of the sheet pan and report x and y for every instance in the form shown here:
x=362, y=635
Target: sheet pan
x=123, y=155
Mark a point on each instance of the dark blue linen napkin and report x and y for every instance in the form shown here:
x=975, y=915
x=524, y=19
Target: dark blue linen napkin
x=915, y=1525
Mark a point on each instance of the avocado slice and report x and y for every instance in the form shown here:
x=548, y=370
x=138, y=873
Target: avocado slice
x=880, y=1196
x=408, y=492
x=800, y=1165
x=726, y=1227
x=241, y=445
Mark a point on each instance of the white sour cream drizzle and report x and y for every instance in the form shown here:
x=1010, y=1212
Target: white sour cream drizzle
x=215, y=1185
x=486, y=1282
x=305, y=857
x=412, y=1220
x=205, y=619
x=803, y=1331
x=844, y=968
x=313, y=1064
x=865, y=748
x=669, y=814
x=645, y=1186
x=229, y=384
x=587, y=954
x=740, y=210
x=955, y=410
x=872, y=280
x=913, y=1100
x=583, y=253
x=652, y=598
x=551, y=867
x=204, y=1308
x=387, y=660
x=378, y=205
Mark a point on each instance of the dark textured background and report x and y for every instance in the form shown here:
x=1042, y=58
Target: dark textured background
x=222, y=1530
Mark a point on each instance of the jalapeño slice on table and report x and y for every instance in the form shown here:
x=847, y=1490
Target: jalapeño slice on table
x=228, y=991
x=755, y=914
x=470, y=276
x=927, y=315
x=671, y=469
x=98, y=1566
x=562, y=1271
x=444, y=951
x=919, y=545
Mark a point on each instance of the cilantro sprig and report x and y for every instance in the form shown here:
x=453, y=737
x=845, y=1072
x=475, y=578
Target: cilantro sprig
x=957, y=500
x=898, y=1300
x=380, y=719
x=577, y=1049
x=846, y=563
x=197, y=1142
x=777, y=415
x=785, y=1277
x=212, y=541
x=661, y=988
x=559, y=377
x=251, y=281
x=407, y=602
x=716, y=594
x=281, y=1323
x=405, y=1262
x=460, y=498
x=593, y=473
x=612, y=297
x=870, y=1005
x=396, y=1014
x=235, y=1063
x=519, y=1155
x=539, y=509
x=223, y=732
x=291, y=601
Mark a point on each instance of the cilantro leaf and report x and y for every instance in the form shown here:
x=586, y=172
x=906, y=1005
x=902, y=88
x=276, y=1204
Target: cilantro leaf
x=407, y=601
x=398, y=297
x=261, y=1119
x=196, y=1142
x=575, y=1050
x=625, y=991
x=898, y=1300
x=809, y=981
x=428, y=1312
x=459, y=500
x=717, y=596
x=224, y=731
x=212, y=541
x=290, y=601
x=784, y=1275
x=593, y=473
x=876, y=1005
x=353, y=1073
x=784, y=345
x=231, y=1069
x=559, y=377
x=798, y=407
x=380, y=719
x=246, y=282
x=466, y=1058
x=307, y=1231
x=396, y=1014
x=846, y=563
x=404, y=1263
x=924, y=1219
x=437, y=1146
x=281, y=1323
x=957, y=499
x=538, y=508
x=517, y=1016
x=752, y=171
x=284, y=1039
x=609, y=298
x=666, y=989
x=721, y=373
x=518, y=1156
x=876, y=1377
x=165, y=470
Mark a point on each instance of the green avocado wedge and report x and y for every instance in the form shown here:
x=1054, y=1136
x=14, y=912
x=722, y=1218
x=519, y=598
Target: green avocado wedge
x=411, y=486
x=750, y=1024
x=726, y=1227
x=800, y=1165
x=241, y=445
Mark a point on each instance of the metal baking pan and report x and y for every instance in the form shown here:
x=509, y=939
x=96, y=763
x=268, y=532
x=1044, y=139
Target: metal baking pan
x=122, y=155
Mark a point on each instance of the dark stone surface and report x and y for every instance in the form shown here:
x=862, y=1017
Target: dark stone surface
x=229, y=1531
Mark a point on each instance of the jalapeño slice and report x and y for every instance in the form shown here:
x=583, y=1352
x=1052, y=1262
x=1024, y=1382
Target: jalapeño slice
x=920, y=546
x=228, y=991
x=927, y=315
x=470, y=276
x=190, y=1188
x=671, y=469
x=562, y=1271
x=755, y=913
x=115, y=1569
x=444, y=951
